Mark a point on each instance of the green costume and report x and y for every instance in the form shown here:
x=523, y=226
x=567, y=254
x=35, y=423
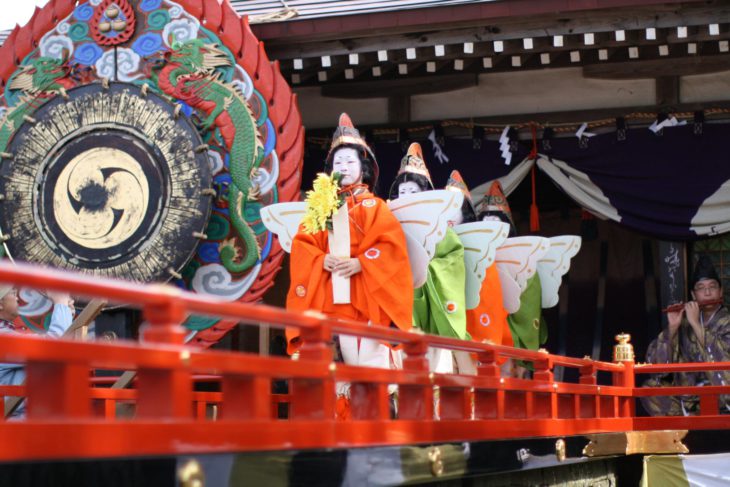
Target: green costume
x=527, y=325
x=439, y=306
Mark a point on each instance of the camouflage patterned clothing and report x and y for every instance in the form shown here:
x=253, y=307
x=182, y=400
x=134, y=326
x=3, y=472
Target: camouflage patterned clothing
x=685, y=348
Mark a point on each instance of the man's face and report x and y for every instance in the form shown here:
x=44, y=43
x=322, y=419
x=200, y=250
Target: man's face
x=347, y=163
x=9, y=305
x=707, y=290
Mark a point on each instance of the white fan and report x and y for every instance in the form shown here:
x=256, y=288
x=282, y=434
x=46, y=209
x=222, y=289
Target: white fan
x=554, y=264
x=481, y=240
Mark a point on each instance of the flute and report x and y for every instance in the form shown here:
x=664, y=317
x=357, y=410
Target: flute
x=676, y=307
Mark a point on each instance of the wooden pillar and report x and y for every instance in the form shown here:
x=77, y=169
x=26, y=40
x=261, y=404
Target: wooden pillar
x=667, y=90
x=399, y=109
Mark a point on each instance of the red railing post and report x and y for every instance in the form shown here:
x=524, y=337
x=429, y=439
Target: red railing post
x=165, y=393
x=541, y=404
x=57, y=390
x=488, y=404
x=588, y=377
x=245, y=397
x=314, y=398
x=415, y=401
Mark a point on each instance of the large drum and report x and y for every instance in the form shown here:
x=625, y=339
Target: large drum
x=109, y=181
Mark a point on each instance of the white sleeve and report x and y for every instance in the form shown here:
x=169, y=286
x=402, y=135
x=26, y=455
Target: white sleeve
x=60, y=320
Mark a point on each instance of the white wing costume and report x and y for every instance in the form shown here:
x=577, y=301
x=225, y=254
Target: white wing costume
x=517, y=262
x=554, y=265
x=481, y=241
x=424, y=217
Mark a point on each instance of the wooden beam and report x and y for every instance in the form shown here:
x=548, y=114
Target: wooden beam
x=514, y=28
x=400, y=87
x=654, y=68
x=556, y=118
x=472, y=15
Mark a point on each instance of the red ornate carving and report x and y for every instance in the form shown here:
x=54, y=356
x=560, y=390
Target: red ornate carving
x=284, y=114
x=113, y=22
x=250, y=55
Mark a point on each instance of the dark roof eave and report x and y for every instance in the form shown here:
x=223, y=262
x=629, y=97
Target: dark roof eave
x=405, y=20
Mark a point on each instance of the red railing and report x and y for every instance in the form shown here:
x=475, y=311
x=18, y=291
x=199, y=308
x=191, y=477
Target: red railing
x=69, y=415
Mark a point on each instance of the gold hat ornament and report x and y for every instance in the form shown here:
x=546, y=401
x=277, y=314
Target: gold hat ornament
x=495, y=200
x=413, y=163
x=456, y=183
x=346, y=133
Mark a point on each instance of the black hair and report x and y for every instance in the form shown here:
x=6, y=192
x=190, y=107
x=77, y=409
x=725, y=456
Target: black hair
x=467, y=211
x=366, y=162
x=503, y=217
x=422, y=181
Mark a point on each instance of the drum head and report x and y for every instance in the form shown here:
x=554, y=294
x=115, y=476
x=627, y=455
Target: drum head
x=107, y=182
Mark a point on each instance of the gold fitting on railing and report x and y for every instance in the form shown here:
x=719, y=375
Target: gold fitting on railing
x=108, y=336
x=185, y=357
x=437, y=464
x=560, y=450
x=623, y=351
x=191, y=474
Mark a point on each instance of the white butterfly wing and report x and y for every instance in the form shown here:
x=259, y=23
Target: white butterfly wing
x=418, y=259
x=283, y=220
x=511, y=291
x=518, y=257
x=554, y=265
x=425, y=216
x=480, y=240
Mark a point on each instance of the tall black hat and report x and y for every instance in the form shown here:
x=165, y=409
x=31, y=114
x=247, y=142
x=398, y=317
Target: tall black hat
x=704, y=270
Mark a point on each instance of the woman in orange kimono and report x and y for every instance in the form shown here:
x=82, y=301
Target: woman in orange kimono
x=488, y=321
x=381, y=285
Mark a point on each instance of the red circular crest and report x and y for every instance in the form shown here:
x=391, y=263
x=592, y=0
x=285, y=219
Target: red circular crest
x=113, y=22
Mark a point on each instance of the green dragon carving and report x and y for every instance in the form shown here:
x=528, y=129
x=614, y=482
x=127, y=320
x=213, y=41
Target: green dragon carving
x=189, y=75
x=38, y=81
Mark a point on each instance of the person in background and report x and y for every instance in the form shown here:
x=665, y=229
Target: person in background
x=439, y=305
x=61, y=318
x=699, y=332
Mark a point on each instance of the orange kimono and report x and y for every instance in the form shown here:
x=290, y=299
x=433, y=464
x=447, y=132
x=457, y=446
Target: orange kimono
x=488, y=321
x=381, y=293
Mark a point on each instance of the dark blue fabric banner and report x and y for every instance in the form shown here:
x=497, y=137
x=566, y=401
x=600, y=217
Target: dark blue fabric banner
x=671, y=186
